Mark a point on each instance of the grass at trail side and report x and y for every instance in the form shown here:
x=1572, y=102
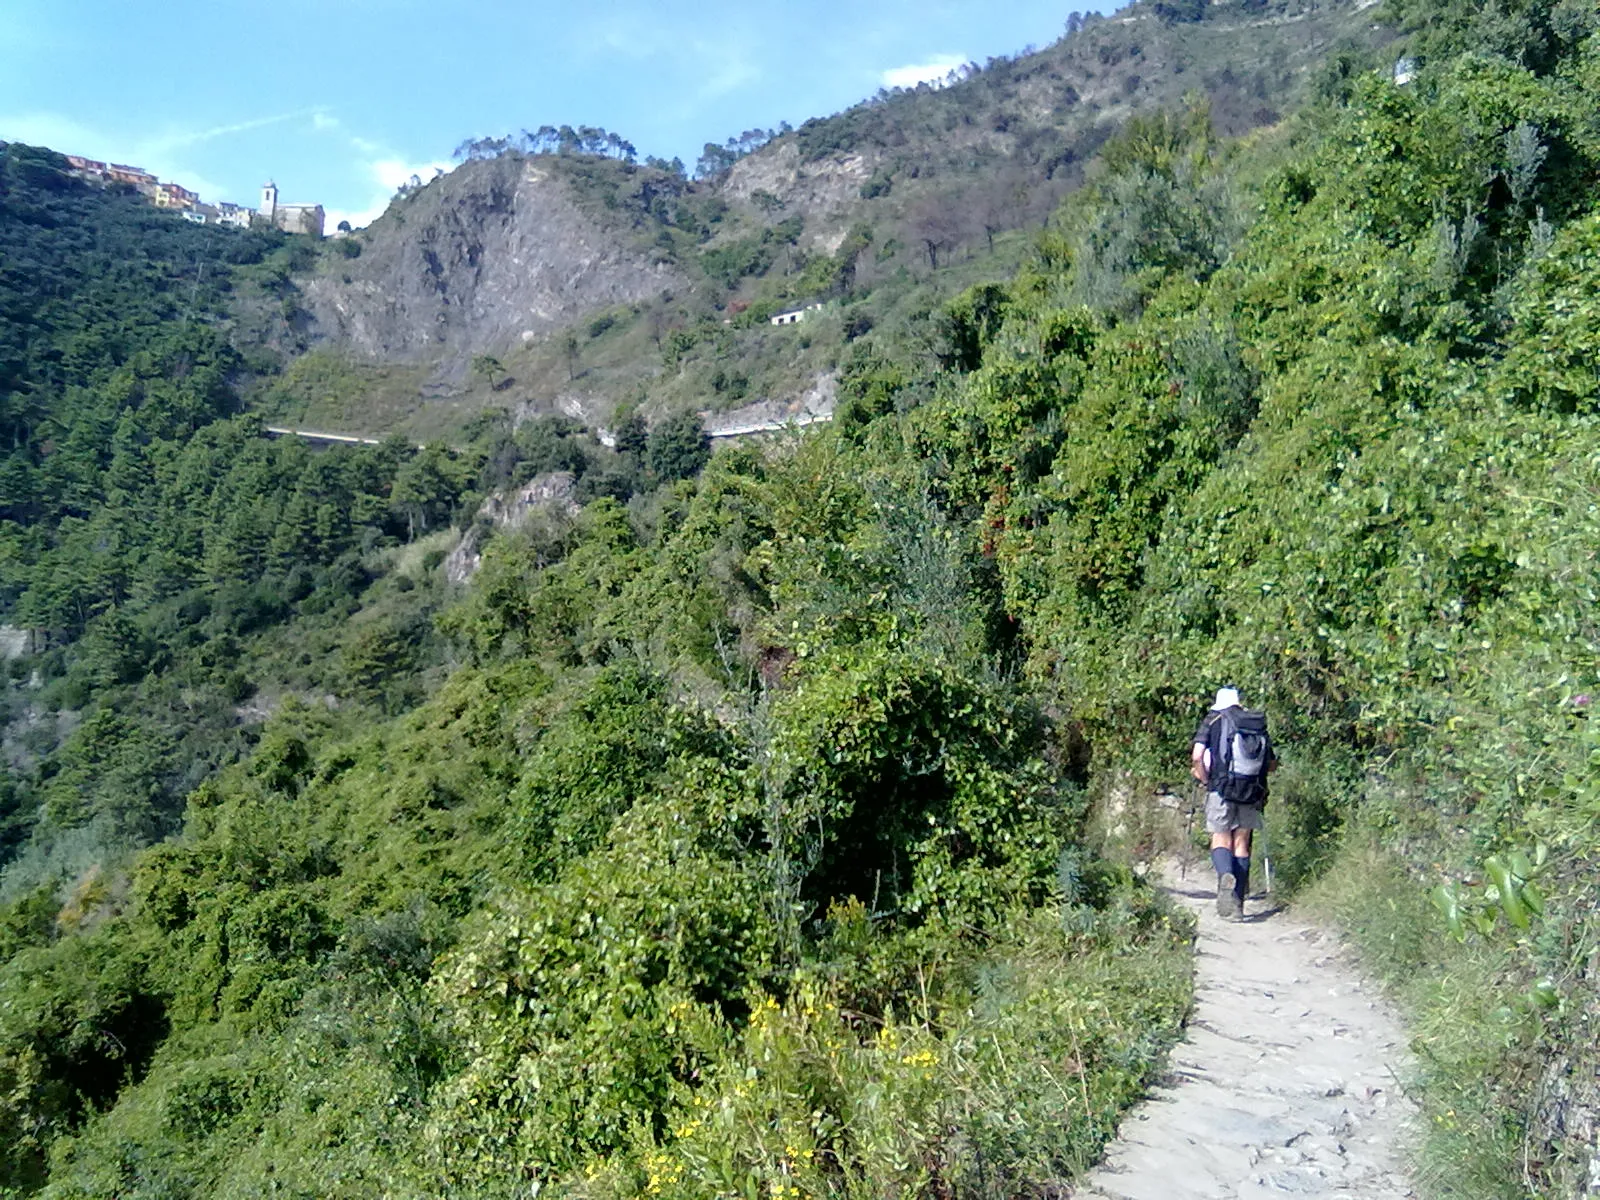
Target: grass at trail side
x=1475, y=1046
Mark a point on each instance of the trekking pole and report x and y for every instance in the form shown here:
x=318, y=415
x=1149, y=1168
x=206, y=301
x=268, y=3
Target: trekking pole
x=1188, y=834
x=1266, y=853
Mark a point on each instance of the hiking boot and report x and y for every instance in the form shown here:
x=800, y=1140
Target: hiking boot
x=1228, y=906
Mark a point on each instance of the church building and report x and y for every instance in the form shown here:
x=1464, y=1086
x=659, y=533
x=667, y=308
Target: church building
x=291, y=218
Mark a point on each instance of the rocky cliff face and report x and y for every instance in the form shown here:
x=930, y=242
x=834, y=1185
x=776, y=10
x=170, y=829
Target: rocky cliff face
x=827, y=190
x=496, y=252
x=513, y=249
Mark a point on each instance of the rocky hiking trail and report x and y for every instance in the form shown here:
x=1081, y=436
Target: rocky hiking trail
x=1289, y=1079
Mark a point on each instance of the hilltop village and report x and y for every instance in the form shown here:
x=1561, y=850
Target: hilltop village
x=292, y=218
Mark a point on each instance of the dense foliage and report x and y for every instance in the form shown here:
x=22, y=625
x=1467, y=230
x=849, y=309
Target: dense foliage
x=741, y=848
x=152, y=542
x=525, y=891
x=743, y=798
x=1344, y=457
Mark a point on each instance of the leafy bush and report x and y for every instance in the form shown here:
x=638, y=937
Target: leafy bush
x=678, y=447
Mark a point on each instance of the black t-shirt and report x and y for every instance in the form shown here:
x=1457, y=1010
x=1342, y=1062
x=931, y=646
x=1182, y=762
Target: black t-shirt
x=1209, y=735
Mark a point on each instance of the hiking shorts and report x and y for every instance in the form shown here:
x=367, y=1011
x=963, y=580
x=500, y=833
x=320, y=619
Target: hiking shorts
x=1223, y=817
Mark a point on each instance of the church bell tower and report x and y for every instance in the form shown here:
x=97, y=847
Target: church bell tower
x=269, y=202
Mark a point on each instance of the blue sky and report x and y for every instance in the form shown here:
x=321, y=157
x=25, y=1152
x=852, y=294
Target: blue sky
x=341, y=100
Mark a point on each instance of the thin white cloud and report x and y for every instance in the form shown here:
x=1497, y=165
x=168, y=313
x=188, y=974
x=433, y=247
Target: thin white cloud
x=392, y=172
x=161, y=154
x=382, y=170
x=50, y=129
x=386, y=174
x=634, y=37
x=379, y=167
x=935, y=70
x=324, y=121
x=156, y=155
x=730, y=78
x=180, y=139
x=715, y=65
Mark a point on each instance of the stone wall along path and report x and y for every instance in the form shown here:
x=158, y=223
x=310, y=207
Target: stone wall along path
x=1289, y=1081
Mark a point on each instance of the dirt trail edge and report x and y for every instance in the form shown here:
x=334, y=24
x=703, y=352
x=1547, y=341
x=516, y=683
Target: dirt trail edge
x=1288, y=1080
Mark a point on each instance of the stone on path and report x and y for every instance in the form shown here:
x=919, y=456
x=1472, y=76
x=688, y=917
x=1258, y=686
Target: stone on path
x=1287, y=1083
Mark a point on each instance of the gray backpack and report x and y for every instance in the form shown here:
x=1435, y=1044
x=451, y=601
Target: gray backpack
x=1241, y=775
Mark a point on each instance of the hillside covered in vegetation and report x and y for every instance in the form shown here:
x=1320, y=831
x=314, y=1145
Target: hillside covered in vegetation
x=602, y=286
x=758, y=827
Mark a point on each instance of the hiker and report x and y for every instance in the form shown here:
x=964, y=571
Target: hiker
x=1232, y=754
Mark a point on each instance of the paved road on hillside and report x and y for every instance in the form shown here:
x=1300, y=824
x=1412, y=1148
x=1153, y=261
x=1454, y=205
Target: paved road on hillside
x=317, y=435
x=1288, y=1082
x=321, y=437
x=774, y=426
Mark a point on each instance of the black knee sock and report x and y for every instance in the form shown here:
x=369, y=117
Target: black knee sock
x=1241, y=876
x=1222, y=859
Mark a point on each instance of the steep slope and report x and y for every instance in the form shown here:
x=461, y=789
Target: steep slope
x=999, y=144
x=745, y=848
x=168, y=576
x=885, y=210
x=494, y=252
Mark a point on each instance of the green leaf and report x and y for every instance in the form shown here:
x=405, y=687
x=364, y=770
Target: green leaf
x=1544, y=994
x=1447, y=899
x=1505, y=885
x=1533, y=898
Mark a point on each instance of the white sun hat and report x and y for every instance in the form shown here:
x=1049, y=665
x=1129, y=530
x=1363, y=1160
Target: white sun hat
x=1226, y=698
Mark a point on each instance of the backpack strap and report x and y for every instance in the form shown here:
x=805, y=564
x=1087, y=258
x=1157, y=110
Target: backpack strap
x=1220, y=737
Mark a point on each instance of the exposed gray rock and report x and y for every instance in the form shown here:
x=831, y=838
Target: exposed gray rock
x=550, y=493
x=15, y=642
x=826, y=190
x=814, y=404
x=462, y=563
x=553, y=491
x=497, y=252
